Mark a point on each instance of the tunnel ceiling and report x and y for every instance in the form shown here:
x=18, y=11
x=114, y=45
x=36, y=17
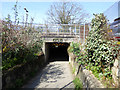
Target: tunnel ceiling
x=59, y=44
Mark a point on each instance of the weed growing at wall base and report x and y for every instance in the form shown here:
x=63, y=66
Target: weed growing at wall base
x=78, y=84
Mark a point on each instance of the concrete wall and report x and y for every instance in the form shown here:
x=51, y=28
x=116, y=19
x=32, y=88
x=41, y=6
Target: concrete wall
x=116, y=71
x=52, y=40
x=45, y=47
x=67, y=40
x=18, y=75
x=87, y=78
x=115, y=74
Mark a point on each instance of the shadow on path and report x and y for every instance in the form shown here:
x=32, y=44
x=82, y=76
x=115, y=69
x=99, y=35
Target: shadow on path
x=54, y=75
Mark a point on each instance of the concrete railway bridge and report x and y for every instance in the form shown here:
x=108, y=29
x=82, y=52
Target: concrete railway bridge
x=58, y=37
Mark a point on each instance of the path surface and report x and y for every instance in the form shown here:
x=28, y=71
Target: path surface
x=55, y=75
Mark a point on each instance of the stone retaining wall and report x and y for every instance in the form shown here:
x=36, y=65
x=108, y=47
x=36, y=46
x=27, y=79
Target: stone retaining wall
x=119, y=70
x=87, y=78
x=18, y=75
x=115, y=74
x=116, y=71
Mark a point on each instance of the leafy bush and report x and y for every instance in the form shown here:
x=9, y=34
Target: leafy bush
x=19, y=44
x=77, y=50
x=100, y=50
x=74, y=47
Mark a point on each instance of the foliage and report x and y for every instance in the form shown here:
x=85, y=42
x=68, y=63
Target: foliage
x=74, y=47
x=18, y=82
x=73, y=70
x=78, y=84
x=19, y=44
x=99, y=52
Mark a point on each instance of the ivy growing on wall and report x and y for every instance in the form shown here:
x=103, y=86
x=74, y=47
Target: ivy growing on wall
x=99, y=51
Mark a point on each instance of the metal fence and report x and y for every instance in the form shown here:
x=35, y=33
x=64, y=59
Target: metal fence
x=76, y=30
x=63, y=29
x=80, y=30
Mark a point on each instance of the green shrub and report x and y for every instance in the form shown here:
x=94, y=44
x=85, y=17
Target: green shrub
x=19, y=44
x=18, y=83
x=78, y=84
x=100, y=50
x=19, y=52
x=74, y=47
x=73, y=70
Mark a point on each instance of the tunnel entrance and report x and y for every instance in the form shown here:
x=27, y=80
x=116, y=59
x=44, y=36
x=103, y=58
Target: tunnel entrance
x=57, y=51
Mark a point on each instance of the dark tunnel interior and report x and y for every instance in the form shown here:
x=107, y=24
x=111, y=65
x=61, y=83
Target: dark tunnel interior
x=57, y=51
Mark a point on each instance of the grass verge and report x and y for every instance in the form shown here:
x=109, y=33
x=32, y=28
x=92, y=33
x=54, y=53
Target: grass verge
x=78, y=84
x=73, y=70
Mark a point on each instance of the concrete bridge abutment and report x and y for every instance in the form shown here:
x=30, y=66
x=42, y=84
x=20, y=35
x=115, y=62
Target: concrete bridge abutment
x=55, y=49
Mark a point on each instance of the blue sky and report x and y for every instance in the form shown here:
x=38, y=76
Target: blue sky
x=38, y=9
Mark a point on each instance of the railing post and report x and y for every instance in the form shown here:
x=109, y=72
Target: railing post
x=46, y=31
x=79, y=32
x=89, y=27
x=58, y=29
x=75, y=29
x=63, y=29
x=84, y=32
x=70, y=31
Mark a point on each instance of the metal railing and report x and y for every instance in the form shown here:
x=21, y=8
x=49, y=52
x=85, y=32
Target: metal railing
x=80, y=30
x=63, y=29
x=59, y=28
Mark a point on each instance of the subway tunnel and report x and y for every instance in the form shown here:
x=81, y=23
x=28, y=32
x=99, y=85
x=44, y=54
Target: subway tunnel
x=56, y=51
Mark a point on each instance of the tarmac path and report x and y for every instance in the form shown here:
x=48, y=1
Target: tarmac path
x=56, y=74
